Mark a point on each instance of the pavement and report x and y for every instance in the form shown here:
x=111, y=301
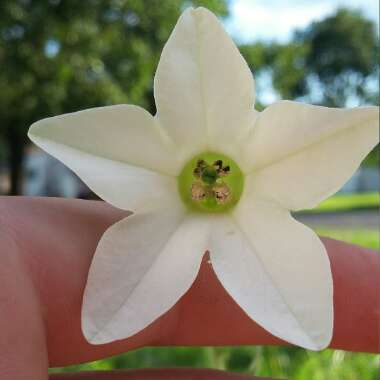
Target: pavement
x=356, y=219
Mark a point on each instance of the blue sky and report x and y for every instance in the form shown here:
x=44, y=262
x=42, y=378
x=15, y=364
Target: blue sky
x=253, y=20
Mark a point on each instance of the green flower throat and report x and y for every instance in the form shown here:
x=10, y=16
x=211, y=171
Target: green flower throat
x=211, y=182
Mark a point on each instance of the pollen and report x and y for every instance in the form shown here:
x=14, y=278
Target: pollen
x=211, y=182
x=222, y=193
x=198, y=192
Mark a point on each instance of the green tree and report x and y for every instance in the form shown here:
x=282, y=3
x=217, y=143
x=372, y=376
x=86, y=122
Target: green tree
x=60, y=56
x=340, y=62
x=342, y=56
x=333, y=62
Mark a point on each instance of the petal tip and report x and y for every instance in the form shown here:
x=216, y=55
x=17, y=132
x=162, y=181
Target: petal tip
x=319, y=345
x=36, y=128
x=199, y=12
x=98, y=339
x=318, y=342
x=203, y=12
x=93, y=335
x=33, y=128
x=33, y=132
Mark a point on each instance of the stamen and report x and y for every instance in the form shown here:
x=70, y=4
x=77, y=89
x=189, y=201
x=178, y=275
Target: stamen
x=211, y=182
x=224, y=171
x=201, y=164
x=197, y=172
x=222, y=193
x=218, y=164
x=198, y=192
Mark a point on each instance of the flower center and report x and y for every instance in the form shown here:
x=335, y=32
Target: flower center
x=211, y=182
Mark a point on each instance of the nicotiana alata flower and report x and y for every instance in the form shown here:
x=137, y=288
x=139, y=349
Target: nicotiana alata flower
x=208, y=172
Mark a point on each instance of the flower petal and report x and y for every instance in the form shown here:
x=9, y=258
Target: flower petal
x=278, y=271
x=117, y=151
x=142, y=266
x=203, y=88
x=301, y=154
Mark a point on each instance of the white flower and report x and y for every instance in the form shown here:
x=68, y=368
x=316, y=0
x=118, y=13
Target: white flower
x=188, y=199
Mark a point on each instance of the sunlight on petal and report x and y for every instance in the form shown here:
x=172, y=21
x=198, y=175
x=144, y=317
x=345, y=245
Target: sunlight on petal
x=278, y=271
x=302, y=154
x=203, y=88
x=142, y=266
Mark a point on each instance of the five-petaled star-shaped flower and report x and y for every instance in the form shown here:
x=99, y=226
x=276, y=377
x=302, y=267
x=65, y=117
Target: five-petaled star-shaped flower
x=209, y=173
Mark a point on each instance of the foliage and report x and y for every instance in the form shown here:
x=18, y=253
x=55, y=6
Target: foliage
x=62, y=56
x=345, y=202
x=280, y=362
x=333, y=62
x=343, y=55
x=363, y=237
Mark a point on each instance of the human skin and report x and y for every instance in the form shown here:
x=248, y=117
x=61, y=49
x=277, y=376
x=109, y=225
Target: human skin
x=46, y=247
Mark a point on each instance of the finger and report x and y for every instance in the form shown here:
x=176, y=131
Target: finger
x=156, y=374
x=60, y=237
x=209, y=315
x=23, y=353
x=356, y=276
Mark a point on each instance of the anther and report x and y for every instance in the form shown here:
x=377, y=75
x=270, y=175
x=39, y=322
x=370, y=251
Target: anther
x=201, y=164
x=218, y=164
x=224, y=171
x=197, y=172
x=222, y=193
x=198, y=192
x=210, y=182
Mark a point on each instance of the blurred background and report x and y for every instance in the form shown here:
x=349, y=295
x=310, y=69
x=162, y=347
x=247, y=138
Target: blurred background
x=59, y=56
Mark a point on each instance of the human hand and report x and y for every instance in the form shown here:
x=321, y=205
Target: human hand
x=46, y=247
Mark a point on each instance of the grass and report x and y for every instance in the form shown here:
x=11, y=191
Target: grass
x=346, y=202
x=366, y=237
x=280, y=362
